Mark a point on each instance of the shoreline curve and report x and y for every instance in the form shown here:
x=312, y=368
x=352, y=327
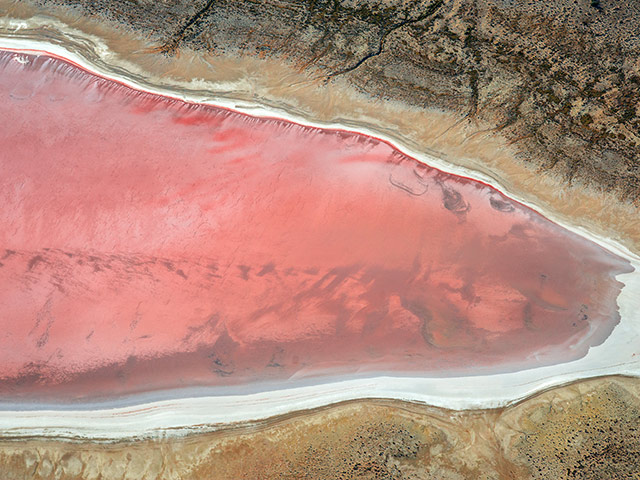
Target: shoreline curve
x=187, y=415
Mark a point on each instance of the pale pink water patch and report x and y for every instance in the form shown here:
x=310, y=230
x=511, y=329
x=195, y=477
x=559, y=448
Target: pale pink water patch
x=151, y=243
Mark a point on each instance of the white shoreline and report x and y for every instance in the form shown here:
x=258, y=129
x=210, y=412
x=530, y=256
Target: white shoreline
x=619, y=354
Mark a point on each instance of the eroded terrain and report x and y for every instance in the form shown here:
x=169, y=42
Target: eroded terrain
x=575, y=159
x=559, y=79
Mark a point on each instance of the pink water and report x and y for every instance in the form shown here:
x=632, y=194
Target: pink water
x=150, y=243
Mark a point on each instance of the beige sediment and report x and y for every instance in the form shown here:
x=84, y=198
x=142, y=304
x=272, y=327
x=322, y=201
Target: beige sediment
x=531, y=439
x=277, y=85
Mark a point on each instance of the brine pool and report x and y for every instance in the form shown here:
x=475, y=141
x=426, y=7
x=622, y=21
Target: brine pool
x=150, y=243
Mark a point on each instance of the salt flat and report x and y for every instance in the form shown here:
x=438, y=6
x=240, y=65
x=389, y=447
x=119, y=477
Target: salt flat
x=618, y=354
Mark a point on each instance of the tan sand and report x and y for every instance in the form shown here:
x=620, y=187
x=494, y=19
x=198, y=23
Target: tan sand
x=590, y=428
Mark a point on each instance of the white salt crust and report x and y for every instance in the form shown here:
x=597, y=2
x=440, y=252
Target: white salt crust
x=619, y=354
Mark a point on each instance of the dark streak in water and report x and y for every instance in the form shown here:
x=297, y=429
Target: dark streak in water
x=268, y=268
x=453, y=201
x=501, y=205
x=408, y=189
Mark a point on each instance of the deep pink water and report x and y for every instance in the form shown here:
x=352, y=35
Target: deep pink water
x=149, y=243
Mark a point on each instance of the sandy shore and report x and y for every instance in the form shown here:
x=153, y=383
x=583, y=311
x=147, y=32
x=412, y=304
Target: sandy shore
x=598, y=417
x=134, y=81
x=246, y=80
x=617, y=355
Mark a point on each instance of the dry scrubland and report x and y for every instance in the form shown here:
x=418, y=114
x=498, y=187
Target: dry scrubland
x=561, y=79
x=588, y=430
x=541, y=96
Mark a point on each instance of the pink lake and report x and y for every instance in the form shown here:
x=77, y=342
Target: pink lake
x=151, y=244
